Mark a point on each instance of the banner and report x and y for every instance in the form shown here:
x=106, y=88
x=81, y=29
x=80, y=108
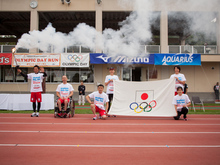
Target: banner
x=100, y=58
x=75, y=60
x=177, y=59
x=152, y=98
x=5, y=58
x=29, y=60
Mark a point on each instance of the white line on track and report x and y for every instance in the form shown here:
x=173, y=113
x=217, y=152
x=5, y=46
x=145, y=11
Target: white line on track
x=107, y=124
x=105, y=132
x=119, y=118
x=111, y=146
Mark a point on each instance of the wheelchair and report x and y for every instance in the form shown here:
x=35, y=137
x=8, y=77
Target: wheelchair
x=70, y=110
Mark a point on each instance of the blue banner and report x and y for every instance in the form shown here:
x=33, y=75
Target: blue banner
x=177, y=59
x=100, y=58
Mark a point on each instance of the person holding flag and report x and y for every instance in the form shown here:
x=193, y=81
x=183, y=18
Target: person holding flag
x=110, y=86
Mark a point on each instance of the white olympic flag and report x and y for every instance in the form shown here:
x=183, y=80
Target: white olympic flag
x=77, y=60
x=151, y=98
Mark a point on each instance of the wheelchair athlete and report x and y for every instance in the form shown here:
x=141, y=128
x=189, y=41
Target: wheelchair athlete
x=64, y=91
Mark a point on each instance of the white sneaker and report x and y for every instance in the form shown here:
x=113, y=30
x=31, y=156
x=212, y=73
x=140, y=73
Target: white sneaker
x=33, y=114
x=94, y=117
x=37, y=114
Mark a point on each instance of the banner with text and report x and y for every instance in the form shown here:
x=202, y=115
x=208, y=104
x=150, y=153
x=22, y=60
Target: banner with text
x=5, y=58
x=100, y=58
x=177, y=59
x=29, y=60
x=75, y=60
x=148, y=98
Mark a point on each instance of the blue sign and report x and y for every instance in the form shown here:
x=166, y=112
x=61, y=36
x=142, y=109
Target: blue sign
x=177, y=59
x=100, y=58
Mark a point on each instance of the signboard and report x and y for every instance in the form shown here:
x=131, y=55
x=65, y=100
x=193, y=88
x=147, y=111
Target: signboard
x=75, y=60
x=177, y=59
x=100, y=58
x=5, y=58
x=29, y=60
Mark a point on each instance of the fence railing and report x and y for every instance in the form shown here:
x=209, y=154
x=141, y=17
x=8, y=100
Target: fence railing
x=201, y=49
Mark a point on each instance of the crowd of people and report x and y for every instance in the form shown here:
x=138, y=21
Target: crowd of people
x=102, y=101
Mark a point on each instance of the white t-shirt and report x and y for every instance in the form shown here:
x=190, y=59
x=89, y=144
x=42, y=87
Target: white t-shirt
x=36, y=81
x=110, y=87
x=180, y=101
x=99, y=99
x=64, y=89
x=181, y=77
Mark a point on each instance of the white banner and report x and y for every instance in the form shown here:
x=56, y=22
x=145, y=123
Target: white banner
x=75, y=60
x=152, y=98
x=29, y=60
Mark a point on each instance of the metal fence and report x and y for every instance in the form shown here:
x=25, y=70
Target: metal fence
x=201, y=49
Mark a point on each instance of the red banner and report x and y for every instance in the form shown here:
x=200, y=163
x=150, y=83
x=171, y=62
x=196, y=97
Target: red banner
x=5, y=58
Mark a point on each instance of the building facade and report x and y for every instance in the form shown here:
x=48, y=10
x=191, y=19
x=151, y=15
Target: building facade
x=23, y=16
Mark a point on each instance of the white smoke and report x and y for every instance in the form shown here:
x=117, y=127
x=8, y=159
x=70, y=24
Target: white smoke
x=134, y=31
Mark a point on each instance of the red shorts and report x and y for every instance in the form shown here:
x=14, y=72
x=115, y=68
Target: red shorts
x=62, y=100
x=101, y=111
x=36, y=96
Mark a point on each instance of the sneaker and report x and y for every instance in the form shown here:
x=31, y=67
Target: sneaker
x=114, y=115
x=33, y=114
x=100, y=117
x=59, y=114
x=109, y=116
x=185, y=119
x=64, y=114
x=94, y=117
x=37, y=114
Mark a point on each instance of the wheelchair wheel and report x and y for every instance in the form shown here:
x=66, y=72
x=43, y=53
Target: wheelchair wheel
x=72, y=110
x=55, y=112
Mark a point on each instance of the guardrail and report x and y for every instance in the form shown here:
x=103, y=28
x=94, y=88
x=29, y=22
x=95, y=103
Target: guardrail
x=201, y=49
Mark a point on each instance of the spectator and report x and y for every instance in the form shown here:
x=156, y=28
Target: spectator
x=216, y=89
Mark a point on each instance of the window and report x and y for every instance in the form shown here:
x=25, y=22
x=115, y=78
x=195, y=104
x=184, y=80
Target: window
x=9, y=74
x=74, y=75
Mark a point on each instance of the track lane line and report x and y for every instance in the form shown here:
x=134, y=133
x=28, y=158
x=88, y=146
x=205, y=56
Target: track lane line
x=111, y=146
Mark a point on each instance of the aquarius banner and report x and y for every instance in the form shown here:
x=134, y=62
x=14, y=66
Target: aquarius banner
x=29, y=60
x=75, y=60
x=100, y=58
x=177, y=59
x=151, y=98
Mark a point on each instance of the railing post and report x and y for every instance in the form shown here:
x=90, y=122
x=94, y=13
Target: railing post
x=180, y=49
x=192, y=49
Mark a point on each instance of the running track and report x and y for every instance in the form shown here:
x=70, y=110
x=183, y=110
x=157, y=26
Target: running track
x=121, y=140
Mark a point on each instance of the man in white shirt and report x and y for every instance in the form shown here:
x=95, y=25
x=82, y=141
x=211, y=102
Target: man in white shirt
x=64, y=91
x=181, y=102
x=180, y=78
x=110, y=86
x=100, y=99
x=36, y=87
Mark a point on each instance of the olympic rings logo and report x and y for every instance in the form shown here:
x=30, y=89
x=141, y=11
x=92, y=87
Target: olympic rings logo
x=144, y=106
x=75, y=58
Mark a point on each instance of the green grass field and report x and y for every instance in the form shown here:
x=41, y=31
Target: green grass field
x=210, y=108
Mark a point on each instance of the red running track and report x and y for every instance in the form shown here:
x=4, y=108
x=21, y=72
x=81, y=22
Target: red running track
x=121, y=140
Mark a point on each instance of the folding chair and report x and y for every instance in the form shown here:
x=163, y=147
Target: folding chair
x=196, y=101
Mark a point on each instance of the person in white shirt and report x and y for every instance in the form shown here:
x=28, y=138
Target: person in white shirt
x=181, y=102
x=64, y=91
x=100, y=99
x=36, y=87
x=110, y=86
x=180, y=78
